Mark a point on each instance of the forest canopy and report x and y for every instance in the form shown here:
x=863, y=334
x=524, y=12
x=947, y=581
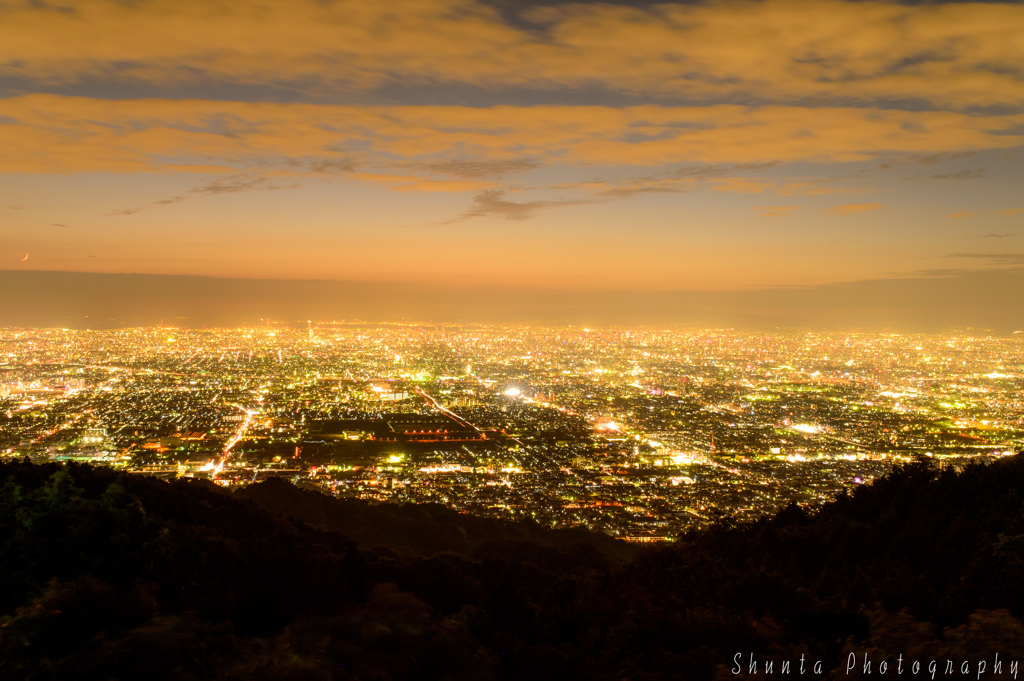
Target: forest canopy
x=109, y=575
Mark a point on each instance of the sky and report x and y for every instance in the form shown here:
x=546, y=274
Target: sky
x=577, y=148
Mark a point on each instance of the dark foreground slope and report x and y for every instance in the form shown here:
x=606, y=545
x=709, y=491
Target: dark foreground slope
x=423, y=529
x=108, y=576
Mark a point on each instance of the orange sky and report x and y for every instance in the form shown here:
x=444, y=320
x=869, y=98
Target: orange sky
x=634, y=146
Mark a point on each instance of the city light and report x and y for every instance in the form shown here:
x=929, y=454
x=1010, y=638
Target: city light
x=739, y=423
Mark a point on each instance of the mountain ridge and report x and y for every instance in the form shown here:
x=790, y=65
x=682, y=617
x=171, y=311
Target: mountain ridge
x=109, y=575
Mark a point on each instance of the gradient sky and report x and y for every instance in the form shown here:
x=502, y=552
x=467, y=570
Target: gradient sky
x=588, y=146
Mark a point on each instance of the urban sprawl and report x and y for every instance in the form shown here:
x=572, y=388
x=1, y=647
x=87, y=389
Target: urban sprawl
x=639, y=433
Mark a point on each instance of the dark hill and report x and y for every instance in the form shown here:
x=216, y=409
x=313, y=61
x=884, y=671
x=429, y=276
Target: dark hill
x=423, y=529
x=104, y=575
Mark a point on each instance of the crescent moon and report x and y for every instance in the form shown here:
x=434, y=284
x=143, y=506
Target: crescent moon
x=25, y=258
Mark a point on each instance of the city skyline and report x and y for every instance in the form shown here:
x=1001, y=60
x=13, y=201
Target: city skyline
x=760, y=157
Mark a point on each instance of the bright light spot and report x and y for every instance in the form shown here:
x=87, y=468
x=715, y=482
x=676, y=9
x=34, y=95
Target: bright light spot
x=443, y=468
x=513, y=392
x=806, y=428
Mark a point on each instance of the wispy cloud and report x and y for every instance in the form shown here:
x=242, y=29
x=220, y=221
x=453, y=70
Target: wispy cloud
x=959, y=216
x=971, y=174
x=717, y=177
x=480, y=169
x=777, y=211
x=1011, y=211
x=622, y=188
x=128, y=211
x=230, y=185
x=227, y=185
x=922, y=159
x=675, y=181
x=611, y=188
x=1011, y=259
x=331, y=166
x=852, y=208
x=711, y=171
x=740, y=185
x=492, y=202
x=1004, y=235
